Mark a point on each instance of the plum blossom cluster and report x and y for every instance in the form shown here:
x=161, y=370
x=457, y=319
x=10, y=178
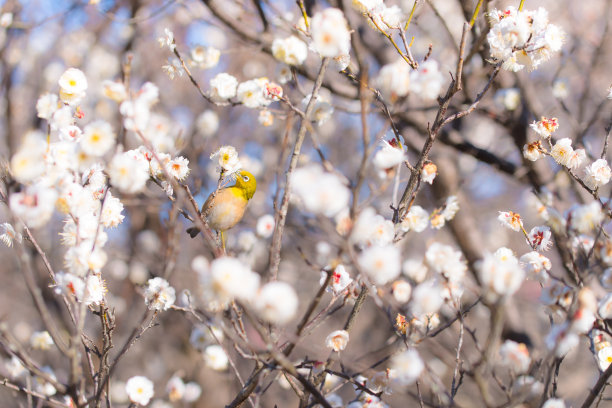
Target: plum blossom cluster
x=435, y=283
x=228, y=279
x=502, y=274
x=388, y=157
x=398, y=79
x=580, y=311
x=318, y=191
x=523, y=38
x=594, y=175
x=254, y=93
x=207, y=339
x=71, y=171
x=329, y=33
x=417, y=218
x=381, y=16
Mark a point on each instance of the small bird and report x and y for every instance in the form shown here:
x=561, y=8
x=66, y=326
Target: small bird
x=228, y=206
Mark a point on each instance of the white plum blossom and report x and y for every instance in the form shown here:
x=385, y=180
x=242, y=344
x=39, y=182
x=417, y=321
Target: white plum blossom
x=43, y=386
x=500, y=273
x=406, y=367
x=265, y=118
x=340, y=280
x=167, y=40
x=576, y=159
x=446, y=261
x=536, y=265
x=14, y=368
x=69, y=284
x=322, y=109
x=337, y=340
x=46, y=105
x=216, y=358
x=137, y=111
x=139, y=390
x=207, y=123
x=318, y=191
x=605, y=307
x=523, y=38
x=73, y=85
x=95, y=290
x=515, y=356
x=540, y=238
x=545, y=127
x=34, y=204
x=554, y=403
x=586, y=217
x=533, y=151
x=61, y=118
x=381, y=264
x=562, y=151
x=330, y=34
x=401, y=291
x=228, y=160
x=178, y=168
x=6, y=19
x=511, y=220
x=41, y=340
x=252, y=93
x=427, y=81
x=159, y=295
x=193, y=391
x=97, y=139
x=508, y=98
x=290, y=50
x=561, y=339
x=80, y=259
x=230, y=279
x=28, y=163
x=9, y=235
x=276, y=302
x=389, y=156
x=391, y=17
x=175, y=388
x=129, y=171
x=416, y=219
x=429, y=172
x=560, y=88
x=342, y=62
x=114, y=90
x=451, y=207
x=371, y=228
x=223, y=86
x=393, y=80
x=204, y=57
x=604, y=358
x=265, y=226
x=426, y=298
x=365, y=6
x=415, y=270
x=70, y=134
x=597, y=174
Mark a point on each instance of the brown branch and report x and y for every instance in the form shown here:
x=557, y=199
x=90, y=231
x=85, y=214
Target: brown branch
x=599, y=386
x=281, y=214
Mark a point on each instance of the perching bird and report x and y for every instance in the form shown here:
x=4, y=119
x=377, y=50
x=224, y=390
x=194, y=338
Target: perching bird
x=228, y=206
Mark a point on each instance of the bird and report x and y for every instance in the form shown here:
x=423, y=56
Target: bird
x=228, y=205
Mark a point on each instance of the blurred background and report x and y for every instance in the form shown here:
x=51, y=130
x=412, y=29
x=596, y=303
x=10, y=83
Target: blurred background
x=478, y=158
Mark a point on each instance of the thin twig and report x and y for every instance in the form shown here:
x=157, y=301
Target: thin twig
x=281, y=214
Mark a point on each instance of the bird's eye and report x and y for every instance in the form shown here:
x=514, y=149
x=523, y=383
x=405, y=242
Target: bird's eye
x=245, y=178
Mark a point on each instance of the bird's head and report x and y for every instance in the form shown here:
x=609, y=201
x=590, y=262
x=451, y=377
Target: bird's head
x=246, y=182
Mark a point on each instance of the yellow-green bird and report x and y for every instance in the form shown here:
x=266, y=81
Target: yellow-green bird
x=228, y=206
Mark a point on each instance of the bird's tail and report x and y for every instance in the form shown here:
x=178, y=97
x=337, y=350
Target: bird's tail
x=193, y=231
